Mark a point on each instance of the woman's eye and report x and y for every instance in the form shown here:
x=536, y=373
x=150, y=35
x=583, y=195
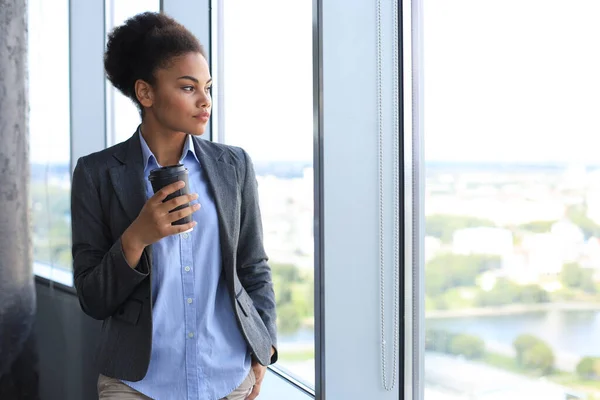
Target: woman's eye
x=188, y=88
x=208, y=89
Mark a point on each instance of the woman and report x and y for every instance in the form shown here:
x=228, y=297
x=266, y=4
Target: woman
x=185, y=315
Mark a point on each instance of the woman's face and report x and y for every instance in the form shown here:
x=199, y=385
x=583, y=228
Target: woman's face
x=180, y=99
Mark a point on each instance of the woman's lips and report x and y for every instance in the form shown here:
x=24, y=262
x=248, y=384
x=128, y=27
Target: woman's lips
x=203, y=117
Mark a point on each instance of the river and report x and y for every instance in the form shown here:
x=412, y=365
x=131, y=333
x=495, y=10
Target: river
x=568, y=332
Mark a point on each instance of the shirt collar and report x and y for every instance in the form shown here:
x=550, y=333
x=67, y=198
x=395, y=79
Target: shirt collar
x=149, y=157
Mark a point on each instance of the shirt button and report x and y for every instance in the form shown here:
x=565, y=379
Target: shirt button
x=191, y=334
x=185, y=235
x=187, y=269
x=190, y=300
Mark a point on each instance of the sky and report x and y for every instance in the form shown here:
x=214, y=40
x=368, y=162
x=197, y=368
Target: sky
x=268, y=92
x=49, y=81
x=507, y=81
x=512, y=80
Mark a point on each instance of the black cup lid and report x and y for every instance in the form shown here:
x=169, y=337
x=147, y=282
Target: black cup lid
x=169, y=170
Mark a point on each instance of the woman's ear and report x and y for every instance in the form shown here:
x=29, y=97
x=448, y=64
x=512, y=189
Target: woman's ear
x=144, y=93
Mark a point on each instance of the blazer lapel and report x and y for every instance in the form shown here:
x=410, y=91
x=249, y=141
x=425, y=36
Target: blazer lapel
x=129, y=184
x=222, y=180
x=128, y=178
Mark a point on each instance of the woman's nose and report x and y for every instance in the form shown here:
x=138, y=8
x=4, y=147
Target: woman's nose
x=204, y=101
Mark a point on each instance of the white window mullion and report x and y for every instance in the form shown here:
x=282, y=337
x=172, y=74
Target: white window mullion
x=88, y=122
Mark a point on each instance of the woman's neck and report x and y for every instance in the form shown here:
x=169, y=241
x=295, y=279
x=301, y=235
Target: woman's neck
x=166, y=145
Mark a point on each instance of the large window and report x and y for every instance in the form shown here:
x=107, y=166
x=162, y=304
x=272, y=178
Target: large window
x=267, y=110
x=123, y=116
x=512, y=205
x=49, y=138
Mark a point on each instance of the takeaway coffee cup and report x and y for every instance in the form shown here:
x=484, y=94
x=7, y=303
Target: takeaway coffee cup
x=161, y=177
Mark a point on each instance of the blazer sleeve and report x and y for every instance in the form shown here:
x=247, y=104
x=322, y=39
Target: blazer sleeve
x=252, y=267
x=103, y=278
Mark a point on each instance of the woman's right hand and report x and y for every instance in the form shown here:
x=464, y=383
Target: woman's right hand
x=154, y=221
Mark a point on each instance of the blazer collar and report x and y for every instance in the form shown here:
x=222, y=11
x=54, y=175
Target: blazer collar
x=131, y=150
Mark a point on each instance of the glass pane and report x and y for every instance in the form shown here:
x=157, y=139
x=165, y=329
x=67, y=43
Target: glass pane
x=49, y=138
x=267, y=80
x=123, y=116
x=512, y=206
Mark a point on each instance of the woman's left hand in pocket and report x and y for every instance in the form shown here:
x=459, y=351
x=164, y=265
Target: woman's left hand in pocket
x=259, y=374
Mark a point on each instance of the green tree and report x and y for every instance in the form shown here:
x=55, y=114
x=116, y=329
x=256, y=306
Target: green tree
x=523, y=343
x=303, y=297
x=533, y=294
x=537, y=226
x=472, y=347
x=293, y=296
x=574, y=276
x=587, y=282
x=50, y=225
x=540, y=358
x=571, y=275
x=589, y=368
x=438, y=340
x=288, y=319
x=436, y=282
x=533, y=353
x=447, y=271
x=443, y=226
x=503, y=292
x=578, y=216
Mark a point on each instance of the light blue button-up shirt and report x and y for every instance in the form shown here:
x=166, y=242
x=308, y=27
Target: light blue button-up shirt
x=198, y=351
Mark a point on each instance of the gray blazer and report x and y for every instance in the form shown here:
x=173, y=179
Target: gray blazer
x=108, y=192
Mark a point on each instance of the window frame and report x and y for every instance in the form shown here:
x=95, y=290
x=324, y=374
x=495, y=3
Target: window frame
x=411, y=48
x=349, y=59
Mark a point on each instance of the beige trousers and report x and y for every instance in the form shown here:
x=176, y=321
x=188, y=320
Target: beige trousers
x=114, y=389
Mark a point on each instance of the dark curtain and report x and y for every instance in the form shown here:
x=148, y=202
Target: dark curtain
x=18, y=356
